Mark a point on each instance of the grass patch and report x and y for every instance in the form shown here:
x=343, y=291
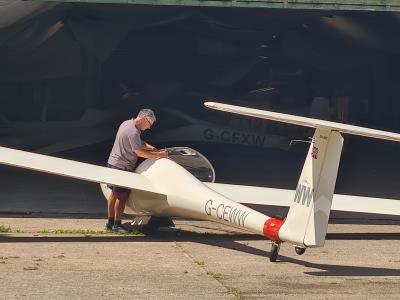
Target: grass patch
x=4, y=228
x=214, y=275
x=199, y=262
x=178, y=245
x=234, y=292
x=85, y=232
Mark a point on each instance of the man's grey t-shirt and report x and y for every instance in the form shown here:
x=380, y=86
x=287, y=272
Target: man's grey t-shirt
x=126, y=142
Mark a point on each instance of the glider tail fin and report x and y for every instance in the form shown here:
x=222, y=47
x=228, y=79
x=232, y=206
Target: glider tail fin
x=307, y=220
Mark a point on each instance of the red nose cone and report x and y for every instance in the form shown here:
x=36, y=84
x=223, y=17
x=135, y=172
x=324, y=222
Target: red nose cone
x=271, y=229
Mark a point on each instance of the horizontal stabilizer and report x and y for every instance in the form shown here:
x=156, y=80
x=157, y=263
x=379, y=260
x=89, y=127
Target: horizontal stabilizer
x=75, y=169
x=303, y=121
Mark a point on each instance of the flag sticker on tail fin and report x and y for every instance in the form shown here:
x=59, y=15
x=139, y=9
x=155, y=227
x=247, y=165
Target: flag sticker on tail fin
x=314, y=152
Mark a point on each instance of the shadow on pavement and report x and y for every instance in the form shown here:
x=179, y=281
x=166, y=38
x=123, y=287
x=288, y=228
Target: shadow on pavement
x=228, y=241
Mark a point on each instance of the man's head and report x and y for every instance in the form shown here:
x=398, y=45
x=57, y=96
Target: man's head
x=145, y=119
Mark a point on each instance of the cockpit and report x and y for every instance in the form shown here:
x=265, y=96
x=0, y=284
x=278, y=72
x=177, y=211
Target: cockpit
x=194, y=162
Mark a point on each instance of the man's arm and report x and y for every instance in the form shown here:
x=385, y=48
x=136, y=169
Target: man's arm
x=149, y=147
x=148, y=154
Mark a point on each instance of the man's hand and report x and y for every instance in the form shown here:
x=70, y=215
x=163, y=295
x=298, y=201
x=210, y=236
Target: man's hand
x=148, y=154
x=163, y=154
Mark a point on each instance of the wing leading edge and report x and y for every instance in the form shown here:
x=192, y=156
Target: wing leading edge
x=303, y=121
x=74, y=169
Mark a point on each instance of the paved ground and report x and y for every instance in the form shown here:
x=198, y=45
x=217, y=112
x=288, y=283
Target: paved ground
x=197, y=260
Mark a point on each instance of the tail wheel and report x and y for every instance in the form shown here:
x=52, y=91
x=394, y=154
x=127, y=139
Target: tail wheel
x=299, y=250
x=274, y=252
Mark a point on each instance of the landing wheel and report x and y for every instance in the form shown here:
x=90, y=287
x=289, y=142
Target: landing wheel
x=299, y=250
x=274, y=252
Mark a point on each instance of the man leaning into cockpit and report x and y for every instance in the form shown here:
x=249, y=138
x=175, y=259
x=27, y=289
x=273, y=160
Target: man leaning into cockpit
x=128, y=146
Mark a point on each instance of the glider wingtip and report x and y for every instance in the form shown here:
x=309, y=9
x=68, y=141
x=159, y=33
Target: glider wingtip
x=212, y=104
x=209, y=104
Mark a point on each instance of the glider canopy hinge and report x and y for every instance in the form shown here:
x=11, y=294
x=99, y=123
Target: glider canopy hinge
x=271, y=229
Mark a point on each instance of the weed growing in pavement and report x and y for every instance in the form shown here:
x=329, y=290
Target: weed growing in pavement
x=214, y=274
x=199, y=262
x=235, y=293
x=85, y=232
x=178, y=245
x=4, y=228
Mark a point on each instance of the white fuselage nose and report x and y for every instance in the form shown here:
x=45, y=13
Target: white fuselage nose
x=188, y=197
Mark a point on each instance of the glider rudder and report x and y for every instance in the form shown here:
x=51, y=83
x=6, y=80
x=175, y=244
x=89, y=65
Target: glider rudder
x=307, y=220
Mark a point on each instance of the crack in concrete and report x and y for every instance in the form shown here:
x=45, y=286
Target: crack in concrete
x=230, y=290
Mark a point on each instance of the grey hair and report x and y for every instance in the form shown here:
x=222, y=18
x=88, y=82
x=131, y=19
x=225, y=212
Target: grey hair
x=147, y=113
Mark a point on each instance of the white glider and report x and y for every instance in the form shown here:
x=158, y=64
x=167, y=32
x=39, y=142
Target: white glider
x=163, y=188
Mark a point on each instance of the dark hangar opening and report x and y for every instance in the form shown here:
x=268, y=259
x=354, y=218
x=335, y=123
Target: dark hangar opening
x=96, y=64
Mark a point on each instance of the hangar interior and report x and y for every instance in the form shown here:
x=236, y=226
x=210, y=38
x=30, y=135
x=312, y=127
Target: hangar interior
x=74, y=62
